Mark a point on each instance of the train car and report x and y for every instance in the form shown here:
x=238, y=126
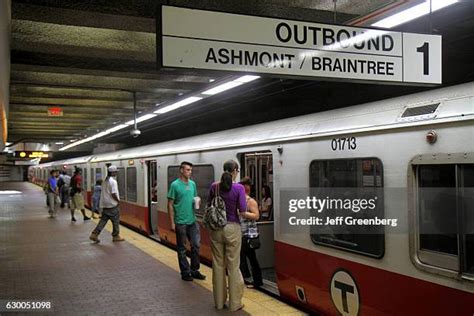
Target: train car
x=402, y=145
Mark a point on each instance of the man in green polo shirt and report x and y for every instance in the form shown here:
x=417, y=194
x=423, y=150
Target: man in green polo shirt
x=183, y=221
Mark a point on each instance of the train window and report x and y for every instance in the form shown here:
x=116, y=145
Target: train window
x=92, y=178
x=203, y=175
x=468, y=209
x=437, y=208
x=132, y=184
x=84, y=180
x=445, y=205
x=121, y=182
x=173, y=173
x=343, y=176
x=98, y=174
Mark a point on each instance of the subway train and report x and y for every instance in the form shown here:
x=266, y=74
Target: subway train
x=399, y=146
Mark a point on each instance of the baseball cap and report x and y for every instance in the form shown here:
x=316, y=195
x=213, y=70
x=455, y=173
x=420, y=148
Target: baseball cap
x=112, y=168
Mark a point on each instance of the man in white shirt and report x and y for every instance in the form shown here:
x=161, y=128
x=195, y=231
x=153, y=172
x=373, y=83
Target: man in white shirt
x=109, y=202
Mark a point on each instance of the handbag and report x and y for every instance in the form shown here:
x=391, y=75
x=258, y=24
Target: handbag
x=253, y=242
x=215, y=217
x=251, y=237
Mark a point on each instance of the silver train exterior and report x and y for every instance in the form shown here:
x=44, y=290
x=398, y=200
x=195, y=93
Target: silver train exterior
x=397, y=145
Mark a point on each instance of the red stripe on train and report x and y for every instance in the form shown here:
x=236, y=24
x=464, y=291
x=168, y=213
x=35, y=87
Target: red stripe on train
x=136, y=216
x=380, y=291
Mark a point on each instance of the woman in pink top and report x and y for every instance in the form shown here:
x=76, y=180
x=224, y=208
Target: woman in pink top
x=226, y=242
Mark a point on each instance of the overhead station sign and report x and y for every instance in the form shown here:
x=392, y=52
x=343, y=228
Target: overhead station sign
x=32, y=154
x=232, y=42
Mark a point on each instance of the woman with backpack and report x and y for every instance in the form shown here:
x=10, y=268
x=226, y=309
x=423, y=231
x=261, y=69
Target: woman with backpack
x=227, y=240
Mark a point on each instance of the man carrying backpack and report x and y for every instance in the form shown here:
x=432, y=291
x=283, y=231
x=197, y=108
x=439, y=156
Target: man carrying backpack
x=181, y=197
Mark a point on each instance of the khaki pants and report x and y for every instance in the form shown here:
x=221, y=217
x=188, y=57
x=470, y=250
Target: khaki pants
x=225, y=245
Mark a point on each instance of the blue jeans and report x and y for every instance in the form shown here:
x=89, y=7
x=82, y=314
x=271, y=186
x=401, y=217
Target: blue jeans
x=191, y=232
x=114, y=215
x=95, y=203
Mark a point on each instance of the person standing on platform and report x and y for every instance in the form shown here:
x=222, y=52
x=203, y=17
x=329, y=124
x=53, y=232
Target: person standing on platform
x=109, y=202
x=53, y=193
x=226, y=242
x=96, y=198
x=249, y=231
x=77, y=201
x=64, y=184
x=181, y=198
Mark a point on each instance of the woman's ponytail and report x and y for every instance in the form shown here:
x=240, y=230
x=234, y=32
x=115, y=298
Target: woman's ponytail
x=226, y=178
x=226, y=182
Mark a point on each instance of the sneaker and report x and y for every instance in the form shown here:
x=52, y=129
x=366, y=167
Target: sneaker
x=94, y=237
x=86, y=218
x=118, y=238
x=198, y=275
x=187, y=277
x=73, y=219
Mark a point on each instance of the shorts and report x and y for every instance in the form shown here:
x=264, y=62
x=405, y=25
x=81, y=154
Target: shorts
x=77, y=201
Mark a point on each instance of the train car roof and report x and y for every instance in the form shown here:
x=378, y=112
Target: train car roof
x=434, y=106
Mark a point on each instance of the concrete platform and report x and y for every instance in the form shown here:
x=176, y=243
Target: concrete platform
x=53, y=260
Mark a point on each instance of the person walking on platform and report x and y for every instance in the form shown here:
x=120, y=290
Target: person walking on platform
x=53, y=193
x=64, y=184
x=182, y=196
x=109, y=202
x=249, y=234
x=77, y=201
x=226, y=242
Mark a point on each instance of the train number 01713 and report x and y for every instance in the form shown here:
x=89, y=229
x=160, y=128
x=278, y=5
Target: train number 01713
x=344, y=143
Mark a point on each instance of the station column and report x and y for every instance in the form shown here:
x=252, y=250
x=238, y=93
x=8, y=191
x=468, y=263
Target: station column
x=5, y=31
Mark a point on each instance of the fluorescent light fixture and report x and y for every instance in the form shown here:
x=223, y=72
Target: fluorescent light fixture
x=230, y=84
x=60, y=143
x=247, y=78
x=177, y=105
x=116, y=128
x=413, y=13
x=7, y=144
x=141, y=119
x=223, y=87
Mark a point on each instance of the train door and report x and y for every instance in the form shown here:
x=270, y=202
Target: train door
x=259, y=167
x=153, y=195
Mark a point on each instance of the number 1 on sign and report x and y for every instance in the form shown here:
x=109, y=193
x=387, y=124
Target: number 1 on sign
x=424, y=49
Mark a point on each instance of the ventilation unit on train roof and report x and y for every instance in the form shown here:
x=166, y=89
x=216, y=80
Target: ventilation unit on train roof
x=423, y=112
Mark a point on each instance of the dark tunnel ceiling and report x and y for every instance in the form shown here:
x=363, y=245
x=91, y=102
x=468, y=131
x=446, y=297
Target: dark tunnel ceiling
x=86, y=55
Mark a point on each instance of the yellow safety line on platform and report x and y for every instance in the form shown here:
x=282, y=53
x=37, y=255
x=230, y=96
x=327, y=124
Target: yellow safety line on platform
x=256, y=302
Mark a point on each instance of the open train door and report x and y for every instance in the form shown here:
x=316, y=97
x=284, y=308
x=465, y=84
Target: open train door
x=259, y=167
x=152, y=185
